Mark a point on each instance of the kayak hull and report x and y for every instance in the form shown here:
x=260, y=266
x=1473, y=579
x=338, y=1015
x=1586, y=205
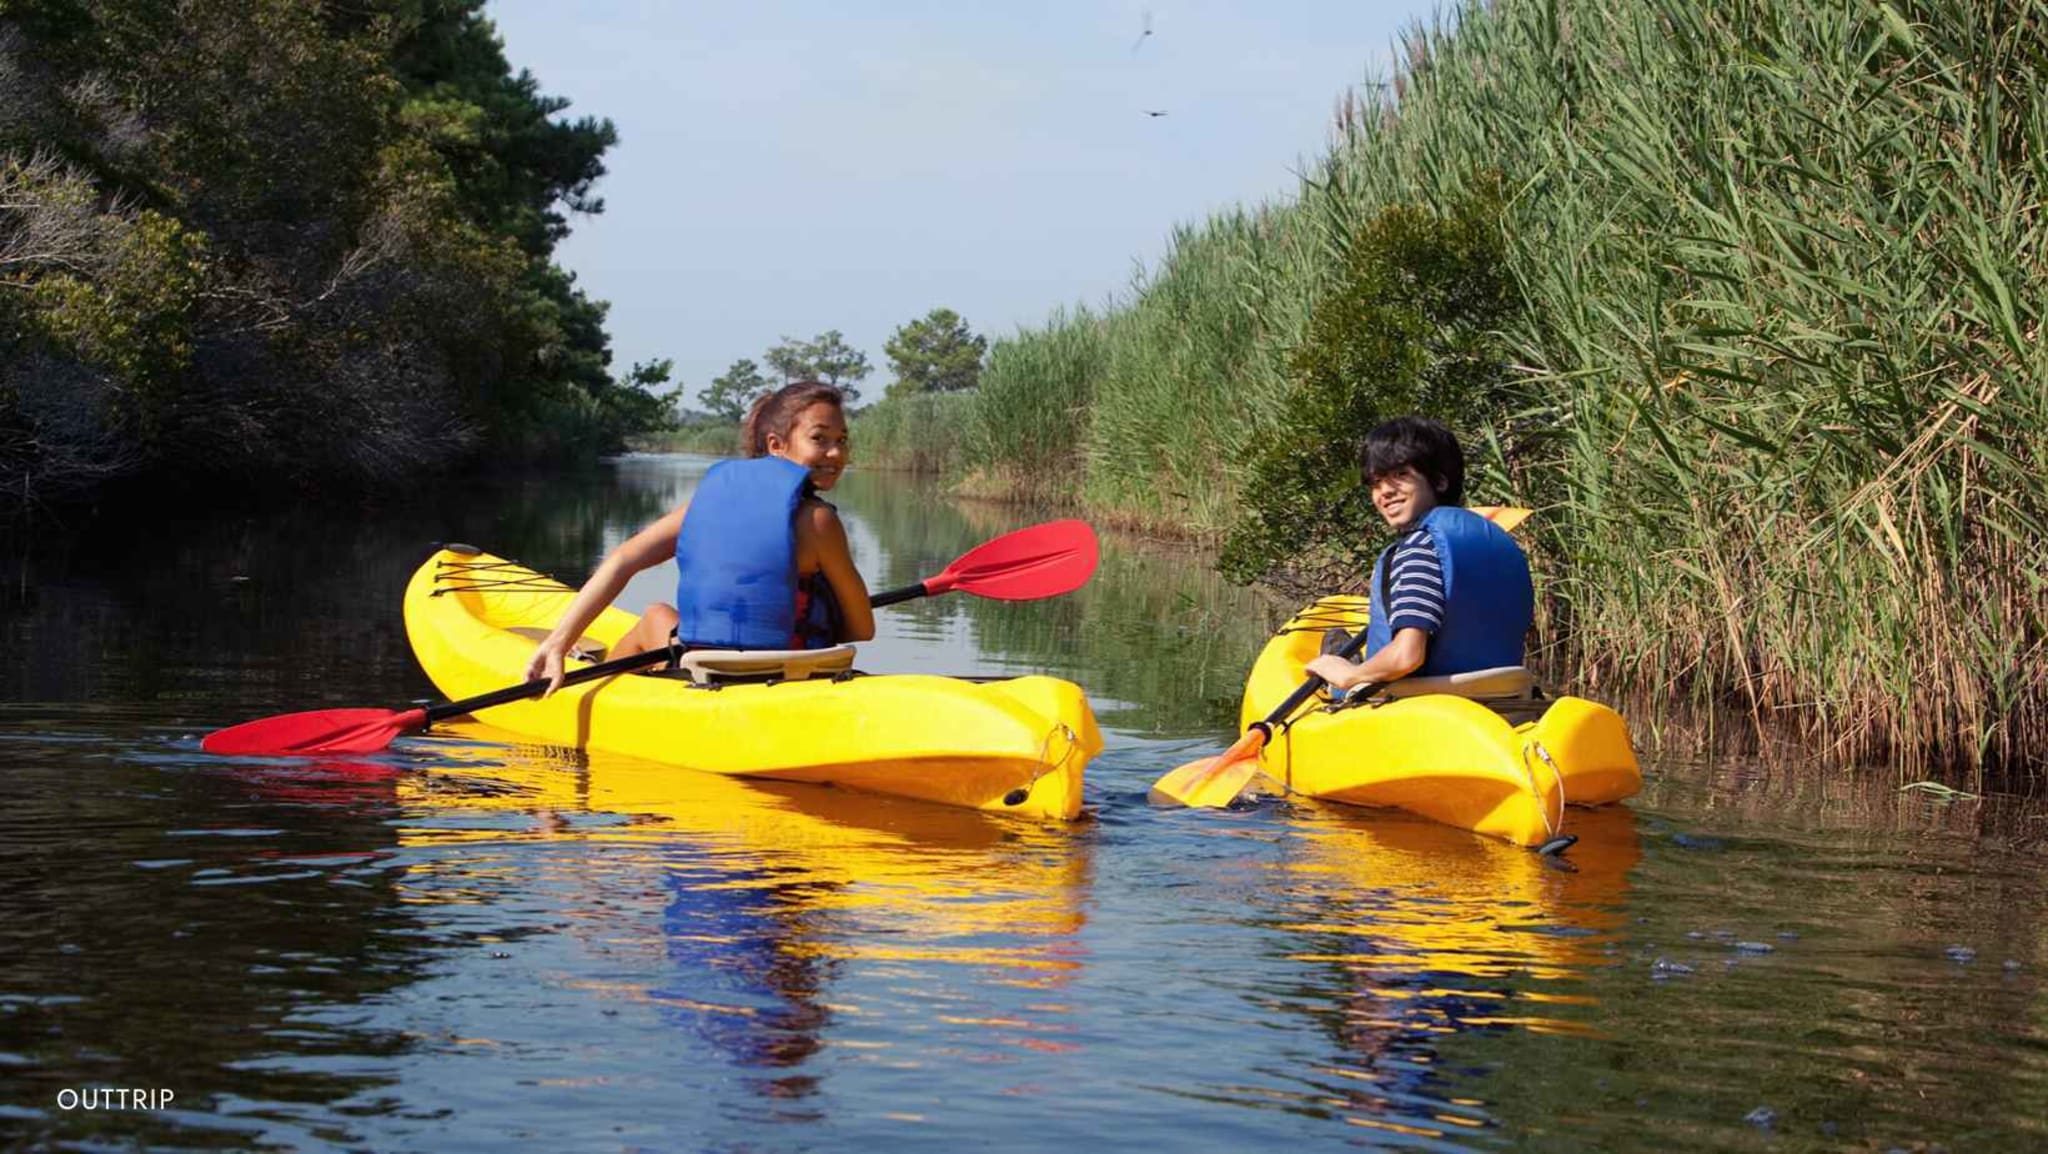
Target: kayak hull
x=1016, y=747
x=1447, y=758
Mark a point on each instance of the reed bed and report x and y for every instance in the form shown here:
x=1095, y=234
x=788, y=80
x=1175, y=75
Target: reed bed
x=917, y=433
x=1027, y=430
x=1779, y=384
x=1782, y=271
x=720, y=439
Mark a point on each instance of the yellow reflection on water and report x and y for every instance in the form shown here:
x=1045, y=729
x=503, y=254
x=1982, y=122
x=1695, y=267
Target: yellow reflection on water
x=1422, y=932
x=1410, y=933
x=739, y=905
x=1395, y=897
x=920, y=873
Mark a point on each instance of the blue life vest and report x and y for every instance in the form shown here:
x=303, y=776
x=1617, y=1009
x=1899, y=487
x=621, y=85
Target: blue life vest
x=736, y=560
x=1488, y=598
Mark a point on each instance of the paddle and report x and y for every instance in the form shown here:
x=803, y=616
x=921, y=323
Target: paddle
x=1214, y=782
x=1041, y=561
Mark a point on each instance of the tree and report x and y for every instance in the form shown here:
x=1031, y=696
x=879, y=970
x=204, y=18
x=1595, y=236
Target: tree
x=828, y=358
x=728, y=396
x=938, y=354
x=636, y=403
x=267, y=239
x=839, y=365
x=1411, y=326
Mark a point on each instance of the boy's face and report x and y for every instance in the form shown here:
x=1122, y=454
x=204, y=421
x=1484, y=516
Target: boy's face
x=1403, y=496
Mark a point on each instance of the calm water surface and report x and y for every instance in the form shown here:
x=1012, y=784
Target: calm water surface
x=468, y=942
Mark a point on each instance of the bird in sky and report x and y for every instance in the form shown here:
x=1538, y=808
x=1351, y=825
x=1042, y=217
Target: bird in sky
x=1145, y=20
x=1154, y=111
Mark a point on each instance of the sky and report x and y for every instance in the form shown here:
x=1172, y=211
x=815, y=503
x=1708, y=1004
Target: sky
x=784, y=168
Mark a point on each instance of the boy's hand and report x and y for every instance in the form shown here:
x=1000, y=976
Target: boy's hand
x=1340, y=673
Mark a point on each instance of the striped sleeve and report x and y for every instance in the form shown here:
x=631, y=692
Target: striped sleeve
x=1416, y=587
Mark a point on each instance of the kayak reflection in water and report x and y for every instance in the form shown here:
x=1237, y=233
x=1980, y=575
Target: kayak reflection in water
x=736, y=979
x=754, y=526
x=1415, y=935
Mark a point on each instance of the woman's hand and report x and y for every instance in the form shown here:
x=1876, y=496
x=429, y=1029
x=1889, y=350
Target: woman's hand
x=547, y=662
x=1338, y=671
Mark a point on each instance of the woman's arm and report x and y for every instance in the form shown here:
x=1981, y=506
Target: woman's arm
x=643, y=550
x=820, y=530
x=1401, y=657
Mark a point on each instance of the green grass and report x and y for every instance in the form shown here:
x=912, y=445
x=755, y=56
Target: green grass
x=720, y=439
x=918, y=433
x=1777, y=384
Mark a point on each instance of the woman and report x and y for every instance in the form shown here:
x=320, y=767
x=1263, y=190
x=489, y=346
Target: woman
x=763, y=561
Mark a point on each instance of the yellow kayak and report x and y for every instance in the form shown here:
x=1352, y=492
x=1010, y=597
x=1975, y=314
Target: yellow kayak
x=1507, y=768
x=1016, y=747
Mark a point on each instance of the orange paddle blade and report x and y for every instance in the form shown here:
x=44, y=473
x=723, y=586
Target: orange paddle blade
x=1213, y=782
x=1506, y=516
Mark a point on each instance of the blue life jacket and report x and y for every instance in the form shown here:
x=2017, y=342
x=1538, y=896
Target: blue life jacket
x=1488, y=598
x=736, y=560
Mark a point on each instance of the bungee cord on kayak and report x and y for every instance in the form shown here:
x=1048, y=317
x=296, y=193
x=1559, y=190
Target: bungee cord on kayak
x=471, y=576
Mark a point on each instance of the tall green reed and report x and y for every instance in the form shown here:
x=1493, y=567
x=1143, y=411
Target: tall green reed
x=1781, y=384
x=1781, y=264
x=915, y=433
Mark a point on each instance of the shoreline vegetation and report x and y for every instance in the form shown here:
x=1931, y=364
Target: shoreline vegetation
x=1745, y=301
x=262, y=243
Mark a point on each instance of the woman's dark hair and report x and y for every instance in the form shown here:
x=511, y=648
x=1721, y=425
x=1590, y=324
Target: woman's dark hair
x=777, y=412
x=1420, y=442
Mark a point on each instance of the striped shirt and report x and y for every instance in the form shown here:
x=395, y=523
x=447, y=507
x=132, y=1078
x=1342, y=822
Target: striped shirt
x=1415, y=584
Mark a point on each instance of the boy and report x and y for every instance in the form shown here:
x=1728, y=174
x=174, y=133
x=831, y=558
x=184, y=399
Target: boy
x=1452, y=593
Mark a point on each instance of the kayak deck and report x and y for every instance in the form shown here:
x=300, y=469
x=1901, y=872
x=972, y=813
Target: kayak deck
x=1016, y=747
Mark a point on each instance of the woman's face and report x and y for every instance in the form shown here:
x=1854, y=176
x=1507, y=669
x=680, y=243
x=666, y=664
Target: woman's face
x=817, y=441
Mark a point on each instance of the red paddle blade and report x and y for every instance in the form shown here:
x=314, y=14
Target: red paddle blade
x=318, y=731
x=1041, y=561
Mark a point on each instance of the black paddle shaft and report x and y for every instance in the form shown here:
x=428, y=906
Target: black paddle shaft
x=533, y=688
x=1349, y=651
x=604, y=669
x=1309, y=687
x=892, y=596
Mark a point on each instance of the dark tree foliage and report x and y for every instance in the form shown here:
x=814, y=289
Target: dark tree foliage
x=1410, y=328
x=935, y=354
x=277, y=240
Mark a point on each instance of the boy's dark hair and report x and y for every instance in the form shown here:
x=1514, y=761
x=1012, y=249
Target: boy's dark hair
x=1420, y=442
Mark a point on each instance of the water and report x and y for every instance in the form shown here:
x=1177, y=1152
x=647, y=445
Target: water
x=465, y=943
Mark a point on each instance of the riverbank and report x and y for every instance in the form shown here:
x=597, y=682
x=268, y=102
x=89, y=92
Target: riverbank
x=1782, y=418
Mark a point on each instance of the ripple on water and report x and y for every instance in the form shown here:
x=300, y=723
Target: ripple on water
x=462, y=940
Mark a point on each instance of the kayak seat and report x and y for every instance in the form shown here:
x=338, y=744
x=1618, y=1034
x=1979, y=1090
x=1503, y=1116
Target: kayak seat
x=1500, y=683
x=706, y=666
x=585, y=649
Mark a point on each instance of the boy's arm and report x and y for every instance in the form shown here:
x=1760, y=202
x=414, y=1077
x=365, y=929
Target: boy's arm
x=1401, y=657
x=1415, y=601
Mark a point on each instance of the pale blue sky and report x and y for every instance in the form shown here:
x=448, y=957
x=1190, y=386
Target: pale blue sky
x=787, y=168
